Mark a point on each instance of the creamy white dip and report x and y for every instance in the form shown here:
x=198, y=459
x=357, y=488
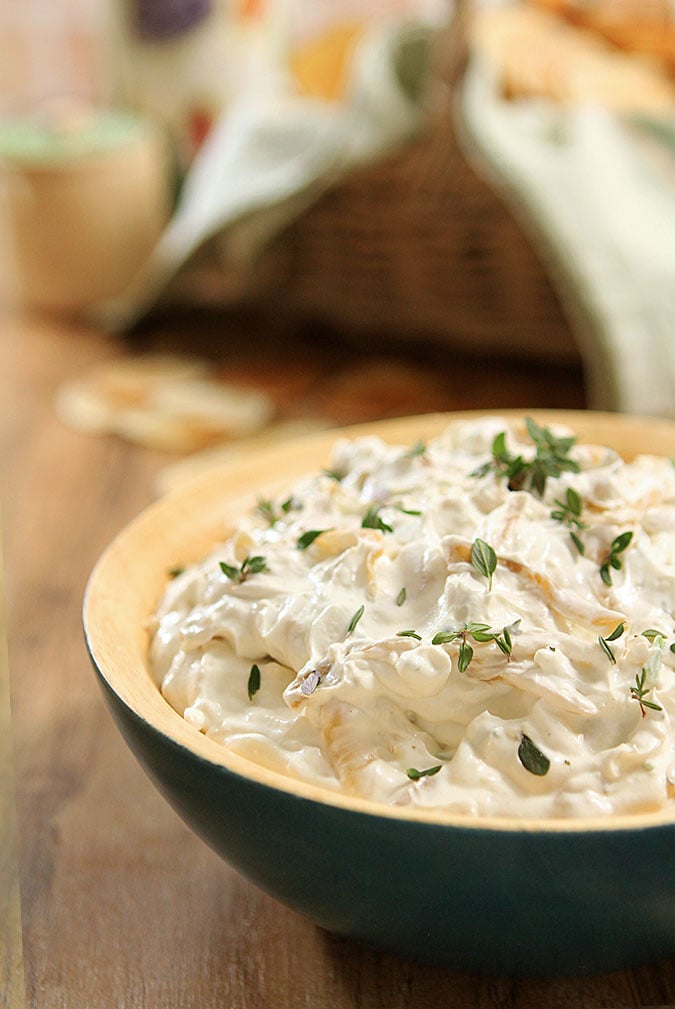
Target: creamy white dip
x=371, y=675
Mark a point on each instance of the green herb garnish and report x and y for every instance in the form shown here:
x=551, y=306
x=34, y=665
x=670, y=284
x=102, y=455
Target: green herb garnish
x=408, y=511
x=175, y=572
x=308, y=538
x=651, y=634
x=531, y=757
x=249, y=566
x=465, y=650
x=415, y=775
x=568, y=513
x=372, y=520
x=480, y=633
x=612, y=561
x=550, y=460
x=484, y=559
x=418, y=449
x=639, y=693
x=253, y=682
x=401, y=597
x=267, y=510
x=504, y=642
x=604, y=642
x=355, y=619
x=408, y=634
x=335, y=474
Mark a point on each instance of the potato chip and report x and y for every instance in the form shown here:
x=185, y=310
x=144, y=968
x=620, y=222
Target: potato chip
x=162, y=402
x=538, y=55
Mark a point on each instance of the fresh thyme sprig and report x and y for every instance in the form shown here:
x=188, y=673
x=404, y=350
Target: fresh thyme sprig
x=372, y=520
x=550, y=460
x=613, y=561
x=409, y=634
x=480, y=633
x=639, y=693
x=604, y=642
x=249, y=566
x=568, y=513
x=269, y=510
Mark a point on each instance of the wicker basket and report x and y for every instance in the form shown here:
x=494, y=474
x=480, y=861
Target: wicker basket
x=418, y=247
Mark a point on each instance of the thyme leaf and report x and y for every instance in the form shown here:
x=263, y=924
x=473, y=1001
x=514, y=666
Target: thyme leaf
x=253, y=566
x=604, y=642
x=465, y=655
x=408, y=634
x=428, y=772
x=269, y=511
x=531, y=757
x=418, y=449
x=401, y=597
x=308, y=538
x=484, y=559
x=335, y=474
x=445, y=637
x=372, y=520
x=253, y=681
x=355, y=619
x=617, y=632
x=266, y=508
x=504, y=643
x=651, y=634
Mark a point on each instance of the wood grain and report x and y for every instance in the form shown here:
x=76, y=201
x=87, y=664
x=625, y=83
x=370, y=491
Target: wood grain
x=122, y=906
x=11, y=956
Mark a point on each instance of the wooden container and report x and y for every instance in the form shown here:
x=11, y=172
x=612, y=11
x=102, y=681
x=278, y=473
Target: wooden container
x=84, y=209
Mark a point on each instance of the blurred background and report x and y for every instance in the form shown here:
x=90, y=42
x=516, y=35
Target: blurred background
x=397, y=178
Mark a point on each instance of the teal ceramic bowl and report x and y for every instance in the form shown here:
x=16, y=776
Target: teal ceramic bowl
x=501, y=897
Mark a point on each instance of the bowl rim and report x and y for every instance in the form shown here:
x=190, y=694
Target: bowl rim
x=117, y=641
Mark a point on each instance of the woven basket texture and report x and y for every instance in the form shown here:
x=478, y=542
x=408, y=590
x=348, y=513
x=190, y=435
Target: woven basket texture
x=419, y=247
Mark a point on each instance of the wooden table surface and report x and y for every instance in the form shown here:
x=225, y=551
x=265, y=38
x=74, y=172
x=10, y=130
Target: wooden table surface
x=121, y=905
